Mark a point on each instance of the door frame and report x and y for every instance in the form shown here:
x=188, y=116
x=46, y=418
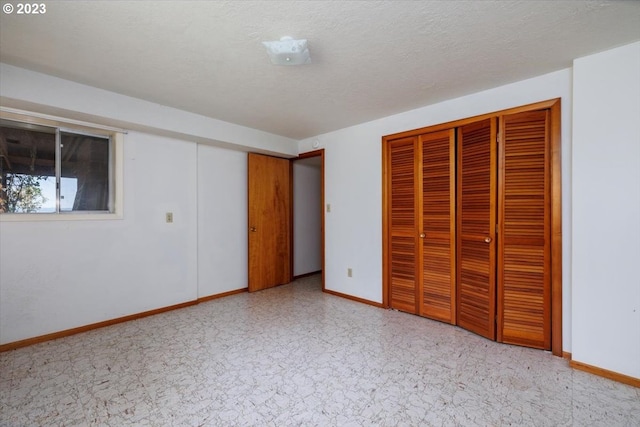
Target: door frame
x=309, y=154
x=555, y=140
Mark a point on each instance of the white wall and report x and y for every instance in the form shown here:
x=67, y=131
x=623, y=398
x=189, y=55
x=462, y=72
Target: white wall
x=57, y=275
x=353, y=182
x=606, y=210
x=222, y=220
x=41, y=93
x=307, y=211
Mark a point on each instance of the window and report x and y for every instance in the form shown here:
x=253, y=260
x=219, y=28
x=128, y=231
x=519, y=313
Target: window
x=49, y=169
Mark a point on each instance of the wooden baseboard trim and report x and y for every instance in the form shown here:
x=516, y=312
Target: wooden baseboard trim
x=566, y=355
x=222, y=295
x=352, y=298
x=300, y=276
x=68, y=332
x=615, y=376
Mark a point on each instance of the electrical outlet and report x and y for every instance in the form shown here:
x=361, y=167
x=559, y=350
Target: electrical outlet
x=169, y=217
x=349, y=272
x=328, y=207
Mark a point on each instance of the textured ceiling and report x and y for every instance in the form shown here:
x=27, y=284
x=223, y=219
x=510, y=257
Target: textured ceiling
x=370, y=59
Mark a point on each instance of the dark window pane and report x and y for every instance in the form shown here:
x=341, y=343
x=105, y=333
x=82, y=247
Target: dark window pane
x=84, y=181
x=27, y=168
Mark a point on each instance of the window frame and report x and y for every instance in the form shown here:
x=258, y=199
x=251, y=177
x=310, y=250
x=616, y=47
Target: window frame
x=116, y=174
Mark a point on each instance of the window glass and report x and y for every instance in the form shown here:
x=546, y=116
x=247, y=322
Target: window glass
x=45, y=169
x=27, y=168
x=84, y=184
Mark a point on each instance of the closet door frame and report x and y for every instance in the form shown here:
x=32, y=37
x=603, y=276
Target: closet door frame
x=554, y=107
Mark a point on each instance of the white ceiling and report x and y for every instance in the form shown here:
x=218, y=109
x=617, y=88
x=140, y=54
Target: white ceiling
x=370, y=59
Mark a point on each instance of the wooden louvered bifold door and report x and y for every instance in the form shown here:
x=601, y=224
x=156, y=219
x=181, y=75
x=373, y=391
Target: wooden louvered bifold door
x=524, y=287
x=476, y=227
x=437, y=294
x=402, y=227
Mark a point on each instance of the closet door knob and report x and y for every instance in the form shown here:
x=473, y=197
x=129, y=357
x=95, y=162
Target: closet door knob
x=422, y=235
x=487, y=239
x=253, y=229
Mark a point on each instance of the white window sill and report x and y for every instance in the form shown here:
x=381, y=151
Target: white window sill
x=59, y=217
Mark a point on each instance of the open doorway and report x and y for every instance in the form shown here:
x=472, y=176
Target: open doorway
x=308, y=214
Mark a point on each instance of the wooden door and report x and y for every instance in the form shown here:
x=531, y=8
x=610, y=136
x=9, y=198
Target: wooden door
x=524, y=261
x=437, y=293
x=402, y=250
x=476, y=292
x=269, y=182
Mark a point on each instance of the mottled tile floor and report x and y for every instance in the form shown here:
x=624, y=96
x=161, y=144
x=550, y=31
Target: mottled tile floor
x=295, y=356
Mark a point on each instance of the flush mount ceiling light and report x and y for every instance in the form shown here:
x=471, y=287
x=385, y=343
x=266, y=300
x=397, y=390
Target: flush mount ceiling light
x=288, y=51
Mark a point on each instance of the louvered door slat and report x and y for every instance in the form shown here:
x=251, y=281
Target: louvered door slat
x=524, y=315
x=476, y=227
x=402, y=251
x=438, y=226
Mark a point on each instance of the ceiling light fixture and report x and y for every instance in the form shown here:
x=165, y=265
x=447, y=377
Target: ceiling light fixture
x=288, y=51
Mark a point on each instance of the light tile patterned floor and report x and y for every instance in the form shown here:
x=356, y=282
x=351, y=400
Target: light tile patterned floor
x=295, y=356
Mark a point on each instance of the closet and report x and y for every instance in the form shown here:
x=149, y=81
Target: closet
x=471, y=217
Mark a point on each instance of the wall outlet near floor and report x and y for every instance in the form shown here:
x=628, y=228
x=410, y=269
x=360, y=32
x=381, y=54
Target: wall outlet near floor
x=168, y=217
x=349, y=272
